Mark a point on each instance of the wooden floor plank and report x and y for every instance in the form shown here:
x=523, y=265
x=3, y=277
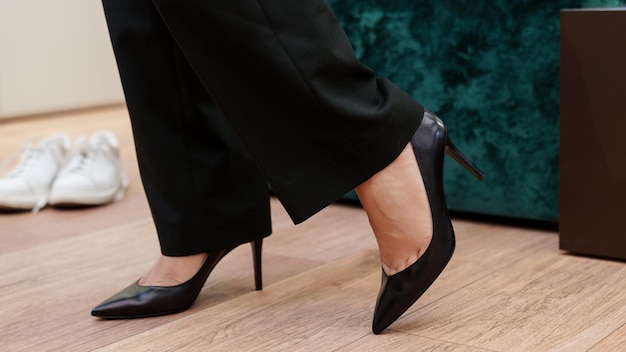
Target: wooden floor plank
x=324, y=237
x=545, y=302
x=614, y=342
x=404, y=343
x=23, y=230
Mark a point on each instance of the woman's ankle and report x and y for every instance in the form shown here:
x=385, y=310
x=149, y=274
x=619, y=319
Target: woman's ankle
x=172, y=271
x=397, y=207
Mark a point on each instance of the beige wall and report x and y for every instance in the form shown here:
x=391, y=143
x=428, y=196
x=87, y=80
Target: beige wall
x=55, y=55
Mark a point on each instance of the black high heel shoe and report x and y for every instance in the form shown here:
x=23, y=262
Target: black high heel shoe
x=399, y=291
x=137, y=301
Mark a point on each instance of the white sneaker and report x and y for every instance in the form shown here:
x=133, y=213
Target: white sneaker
x=93, y=174
x=27, y=185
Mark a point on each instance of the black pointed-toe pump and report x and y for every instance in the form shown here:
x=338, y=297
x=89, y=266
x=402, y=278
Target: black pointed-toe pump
x=138, y=301
x=399, y=291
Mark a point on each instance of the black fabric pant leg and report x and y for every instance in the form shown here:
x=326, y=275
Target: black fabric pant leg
x=204, y=190
x=318, y=122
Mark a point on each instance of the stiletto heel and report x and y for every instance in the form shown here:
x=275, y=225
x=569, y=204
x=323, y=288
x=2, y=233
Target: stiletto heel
x=456, y=154
x=400, y=291
x=138, y=301
x=257, y=247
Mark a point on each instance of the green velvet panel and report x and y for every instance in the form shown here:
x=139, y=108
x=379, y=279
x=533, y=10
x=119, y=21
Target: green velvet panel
x=490, y=70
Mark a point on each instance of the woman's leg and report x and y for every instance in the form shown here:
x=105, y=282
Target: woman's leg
x=318, y=122
x=342, y=128
x=320, y=104
x=204, y=190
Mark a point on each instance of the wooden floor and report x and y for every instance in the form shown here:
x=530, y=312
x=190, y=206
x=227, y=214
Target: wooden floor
x=506, y=288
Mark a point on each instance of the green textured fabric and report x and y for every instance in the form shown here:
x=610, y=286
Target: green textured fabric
x=490, y=70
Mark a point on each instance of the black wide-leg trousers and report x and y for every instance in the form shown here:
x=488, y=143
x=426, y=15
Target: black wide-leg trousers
x=226, y=96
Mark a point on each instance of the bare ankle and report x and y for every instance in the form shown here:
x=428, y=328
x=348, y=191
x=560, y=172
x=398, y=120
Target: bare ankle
x=172, y=271
x=397, y=207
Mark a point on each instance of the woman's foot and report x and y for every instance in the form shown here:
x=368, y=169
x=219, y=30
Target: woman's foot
x=406, y=205
x=171, y=271
x=397, y=206
x=170, y=286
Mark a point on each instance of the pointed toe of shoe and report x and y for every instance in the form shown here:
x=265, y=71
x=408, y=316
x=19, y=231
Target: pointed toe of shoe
x=137, y=301
x=114, y=310
x=400, y=291
x=397, y=294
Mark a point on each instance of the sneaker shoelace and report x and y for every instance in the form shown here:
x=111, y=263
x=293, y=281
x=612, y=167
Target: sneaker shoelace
x=26, y=157
x=80, y=158
x=83, y=156
x=29, y=154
